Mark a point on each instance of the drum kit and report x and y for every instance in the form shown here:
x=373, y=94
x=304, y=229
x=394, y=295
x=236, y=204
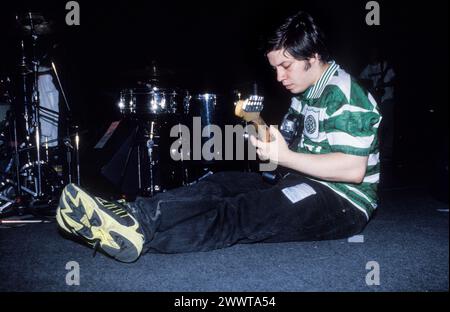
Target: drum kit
x=155, y=108
x=31, y=180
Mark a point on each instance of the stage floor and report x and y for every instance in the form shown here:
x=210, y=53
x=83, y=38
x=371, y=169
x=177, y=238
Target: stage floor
x=407, y=241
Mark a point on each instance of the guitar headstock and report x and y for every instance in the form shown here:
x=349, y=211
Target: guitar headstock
x=249, y=109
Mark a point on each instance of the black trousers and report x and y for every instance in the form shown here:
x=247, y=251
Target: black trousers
x=237, y=207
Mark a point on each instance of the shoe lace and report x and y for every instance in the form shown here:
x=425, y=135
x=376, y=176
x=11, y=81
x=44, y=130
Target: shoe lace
x=118, y=207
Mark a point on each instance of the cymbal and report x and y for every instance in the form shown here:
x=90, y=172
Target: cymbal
x=41, y=25
x=35, y=17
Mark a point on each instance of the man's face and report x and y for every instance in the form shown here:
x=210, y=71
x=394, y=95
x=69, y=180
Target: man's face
x=296, y=76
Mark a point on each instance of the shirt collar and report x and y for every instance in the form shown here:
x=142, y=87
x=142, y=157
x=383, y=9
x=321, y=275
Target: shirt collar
x=315, y=91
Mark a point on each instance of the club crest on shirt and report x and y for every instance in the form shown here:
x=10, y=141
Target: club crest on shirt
x=311, y=128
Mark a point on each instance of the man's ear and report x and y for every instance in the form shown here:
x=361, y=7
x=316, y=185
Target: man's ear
x=310, y=61
x=313, y=59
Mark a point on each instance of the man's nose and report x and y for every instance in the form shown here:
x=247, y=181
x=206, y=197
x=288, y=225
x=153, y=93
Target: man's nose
x=280, y=75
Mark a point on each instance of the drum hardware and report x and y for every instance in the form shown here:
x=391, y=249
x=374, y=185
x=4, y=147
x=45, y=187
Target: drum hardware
x=32, y=124
x=153, y=108
x=152, y=188
x=61, y=88
x=184, y=169
x=204, y=176
x=6, y=193
x=69, y=149
x=187, y=103
x=8, y=203
x=23, y=221
x=151, y=144
x=143, y=102
x=77, y=154
x=142, y=145
x=35, y=184
x=139, y=168
x=152, y=96
x=66, y=140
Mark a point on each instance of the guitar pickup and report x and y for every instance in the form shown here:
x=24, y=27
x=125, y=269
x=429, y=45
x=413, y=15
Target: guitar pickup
x=254, y=104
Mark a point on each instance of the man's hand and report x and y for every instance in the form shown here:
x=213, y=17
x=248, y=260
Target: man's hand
x=336, y=167
x=275, y=151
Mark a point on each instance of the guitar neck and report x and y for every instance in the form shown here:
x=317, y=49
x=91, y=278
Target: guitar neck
x=262, y=129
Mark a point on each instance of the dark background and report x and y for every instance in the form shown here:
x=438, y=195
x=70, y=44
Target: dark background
x=214, y=46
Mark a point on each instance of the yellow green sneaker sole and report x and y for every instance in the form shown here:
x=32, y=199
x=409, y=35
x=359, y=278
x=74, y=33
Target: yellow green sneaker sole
x=116, y=231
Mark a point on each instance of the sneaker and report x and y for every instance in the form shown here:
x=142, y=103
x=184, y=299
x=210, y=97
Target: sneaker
x=101, y=224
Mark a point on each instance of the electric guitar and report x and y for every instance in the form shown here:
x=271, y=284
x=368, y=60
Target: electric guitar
x=250, y=110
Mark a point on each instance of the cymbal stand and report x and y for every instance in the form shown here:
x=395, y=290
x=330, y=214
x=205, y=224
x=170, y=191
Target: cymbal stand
x=184, y=171
x=150, y=145
x=26, y=104
x=24, y=71
x=35, y=108
x=47, y=158
x=16, y=155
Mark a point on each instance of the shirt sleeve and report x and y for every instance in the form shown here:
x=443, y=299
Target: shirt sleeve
x=351, y=128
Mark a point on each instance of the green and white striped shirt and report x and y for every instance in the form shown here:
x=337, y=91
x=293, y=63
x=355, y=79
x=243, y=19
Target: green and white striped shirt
x=340, y=116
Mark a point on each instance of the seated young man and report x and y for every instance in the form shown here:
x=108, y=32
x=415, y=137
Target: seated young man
x=329, y=194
